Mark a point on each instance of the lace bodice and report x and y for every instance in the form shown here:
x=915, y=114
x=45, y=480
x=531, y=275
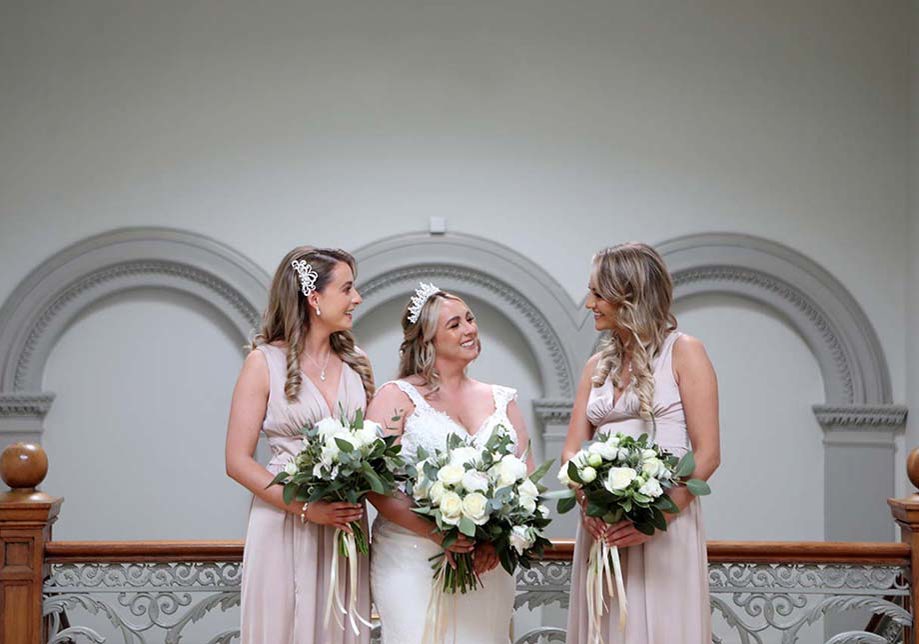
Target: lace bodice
x=429, y=428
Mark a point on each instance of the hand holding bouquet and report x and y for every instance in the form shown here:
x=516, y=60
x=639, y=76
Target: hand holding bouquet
x=623, y=477
x=343, y=460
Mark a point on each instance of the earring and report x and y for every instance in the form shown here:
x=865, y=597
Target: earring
x=318, y=312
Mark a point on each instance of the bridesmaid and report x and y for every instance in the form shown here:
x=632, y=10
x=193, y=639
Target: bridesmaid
x=303, y=366
x=646, y=366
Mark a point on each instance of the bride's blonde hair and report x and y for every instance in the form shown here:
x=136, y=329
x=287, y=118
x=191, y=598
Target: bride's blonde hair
x=287, y=316
x=634, y=278
x=417, y=353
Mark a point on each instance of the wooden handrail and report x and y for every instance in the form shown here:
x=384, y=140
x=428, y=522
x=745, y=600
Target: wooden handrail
x=812, y=552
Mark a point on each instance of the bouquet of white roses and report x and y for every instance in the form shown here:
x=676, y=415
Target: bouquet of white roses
x=623, y=477
x=485, y=494
x=343, y=460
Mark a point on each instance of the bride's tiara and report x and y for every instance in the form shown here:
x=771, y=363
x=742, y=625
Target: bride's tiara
x=422, y=294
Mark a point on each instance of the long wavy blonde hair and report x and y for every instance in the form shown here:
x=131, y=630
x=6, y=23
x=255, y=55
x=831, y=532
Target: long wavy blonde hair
x=287, y=317
x=634, y=278
x=417, y=353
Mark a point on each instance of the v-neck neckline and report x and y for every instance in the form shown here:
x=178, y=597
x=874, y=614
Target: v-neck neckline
x=450, y=418
x=341, y=380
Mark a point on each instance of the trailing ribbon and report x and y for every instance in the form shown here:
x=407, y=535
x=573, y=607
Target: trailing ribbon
x=344, y=542
x=599, y=579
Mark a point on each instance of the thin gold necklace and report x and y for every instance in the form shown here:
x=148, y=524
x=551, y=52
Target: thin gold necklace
x=320, y=367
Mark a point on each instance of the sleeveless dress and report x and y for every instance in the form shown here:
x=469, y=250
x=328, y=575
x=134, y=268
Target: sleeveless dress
x=286, y=563
x=666, y=578
x=400, y=571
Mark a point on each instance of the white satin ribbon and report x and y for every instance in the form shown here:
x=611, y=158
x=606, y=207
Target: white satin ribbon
x=600, y=580
x=336, y=592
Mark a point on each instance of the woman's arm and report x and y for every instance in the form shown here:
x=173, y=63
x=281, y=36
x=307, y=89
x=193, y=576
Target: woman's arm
x=698, y=385
x=247, y=411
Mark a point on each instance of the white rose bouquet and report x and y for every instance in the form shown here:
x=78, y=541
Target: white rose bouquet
x=623, y=477
x=484, y=494
x=343, y=460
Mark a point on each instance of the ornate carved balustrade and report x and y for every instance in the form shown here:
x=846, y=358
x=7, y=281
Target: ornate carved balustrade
x=171, y=591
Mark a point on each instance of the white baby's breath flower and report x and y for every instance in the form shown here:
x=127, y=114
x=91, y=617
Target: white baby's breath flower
x=619, y=478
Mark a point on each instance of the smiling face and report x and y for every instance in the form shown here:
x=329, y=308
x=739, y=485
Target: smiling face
x=457, y=335
x=604, y=311
x=337, y=299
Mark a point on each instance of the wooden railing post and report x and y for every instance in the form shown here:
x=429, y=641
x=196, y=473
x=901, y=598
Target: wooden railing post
x=906, y=513
x=26, y=515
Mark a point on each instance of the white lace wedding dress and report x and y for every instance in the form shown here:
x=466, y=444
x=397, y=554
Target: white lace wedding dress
x=400, y=573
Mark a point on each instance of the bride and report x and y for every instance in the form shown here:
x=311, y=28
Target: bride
x=432, y=399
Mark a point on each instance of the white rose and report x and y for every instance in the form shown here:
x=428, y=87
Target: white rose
x=563, y=476
x=652, y=466
x=651, y=488
x=331, y=440
x=528, y=503
x=450, y=474
x=521, y=538
x=436, y=492
x=475, y=508
x=364, y=437
x=605, y=450
x=647, y=454
x=463, y=455
x=475, y=481
x=330, y=453
x=451, y=508
x=543, y=511
x=375, y=427
x=511, y=469
x=595, y=460
x=328, y=426
x=619, y=478
x=290, y=469
x=624, y=453
x=612, y=440
x=588, y=474
x=528, y=489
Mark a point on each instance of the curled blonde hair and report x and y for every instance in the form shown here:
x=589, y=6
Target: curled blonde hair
x=417, y=353
x=634, y=278
x=287, y=317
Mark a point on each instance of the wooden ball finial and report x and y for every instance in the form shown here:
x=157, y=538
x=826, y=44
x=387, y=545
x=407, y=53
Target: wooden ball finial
x=23, y=466
x=912, y=467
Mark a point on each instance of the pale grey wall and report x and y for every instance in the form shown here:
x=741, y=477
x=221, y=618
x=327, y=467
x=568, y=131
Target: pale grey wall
x=911, y=295
x=553, y=128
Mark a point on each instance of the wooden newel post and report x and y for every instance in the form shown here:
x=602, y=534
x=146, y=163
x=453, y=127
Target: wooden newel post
x=906, y=513
x=26, y=515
